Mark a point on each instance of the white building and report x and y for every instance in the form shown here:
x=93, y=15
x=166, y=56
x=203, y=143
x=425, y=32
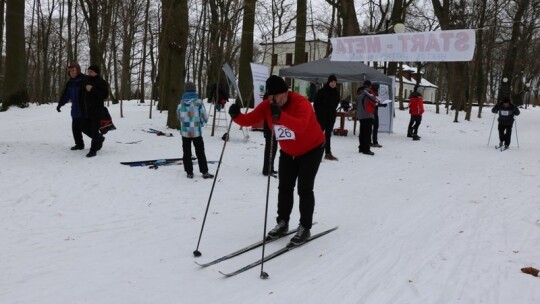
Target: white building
x=410, y=75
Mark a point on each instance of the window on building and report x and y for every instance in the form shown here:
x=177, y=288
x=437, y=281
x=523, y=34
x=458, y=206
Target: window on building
x=274, y=59
x=288, y=59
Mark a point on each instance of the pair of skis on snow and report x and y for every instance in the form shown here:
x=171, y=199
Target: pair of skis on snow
x=159, y=133
x=155, y=163
x=274, y=254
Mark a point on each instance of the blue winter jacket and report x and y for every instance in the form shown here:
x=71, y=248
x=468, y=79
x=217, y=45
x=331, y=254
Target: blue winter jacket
x=73, y=92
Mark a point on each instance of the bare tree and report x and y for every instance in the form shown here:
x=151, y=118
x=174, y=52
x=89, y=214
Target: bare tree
x=172, y=54
x=2, y=12
x=15, y=90
x=130, y=14
x=300, y=40
x=245, y=78
x=98, y=17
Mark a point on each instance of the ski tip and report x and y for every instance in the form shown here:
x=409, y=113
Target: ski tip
x=225, y=274
x=199, y=264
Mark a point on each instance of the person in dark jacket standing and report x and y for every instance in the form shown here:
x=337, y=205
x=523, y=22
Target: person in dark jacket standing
x=96, y=90
x=325, y=105
x=375, y=132
x=74, y=93
x=507, y=110
x=416, y=109
x=365, y=109
x=301, y=140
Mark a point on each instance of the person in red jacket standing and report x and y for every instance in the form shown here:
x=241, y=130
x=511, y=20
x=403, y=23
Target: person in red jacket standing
x=291, y=118
x=416, y=109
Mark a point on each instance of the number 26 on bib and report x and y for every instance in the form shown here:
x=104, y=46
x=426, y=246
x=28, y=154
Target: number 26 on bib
x=283, y=133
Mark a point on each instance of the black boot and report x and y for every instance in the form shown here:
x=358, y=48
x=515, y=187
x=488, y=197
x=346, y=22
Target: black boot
x=77, y=147
x=302, y=235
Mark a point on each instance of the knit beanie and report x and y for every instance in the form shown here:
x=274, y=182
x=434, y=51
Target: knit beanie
x=276, y=85
x=94, y=68
x=332, y=78
x=190, y=87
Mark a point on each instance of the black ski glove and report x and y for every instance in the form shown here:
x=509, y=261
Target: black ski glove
x=234, y=110
x=275, y=110
x=58, y=108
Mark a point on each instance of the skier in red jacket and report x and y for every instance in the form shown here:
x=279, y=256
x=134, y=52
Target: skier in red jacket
x=291, y=118
x=416, y=109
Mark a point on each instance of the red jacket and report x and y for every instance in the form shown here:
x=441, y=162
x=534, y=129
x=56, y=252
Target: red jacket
x=297, y=115
x=416, y=106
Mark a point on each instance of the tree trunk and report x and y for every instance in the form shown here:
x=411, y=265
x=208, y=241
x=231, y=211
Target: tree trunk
x=15, y=90
x=98, y=16
x=145, y=42
x=172, y=56
x=2, y=11
x=245, y=78
x=300, y=40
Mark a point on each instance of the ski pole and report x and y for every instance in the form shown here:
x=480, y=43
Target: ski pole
x=230, y=75
x=264, y=275
x=197, y=253
x=517, y=139
x=493, y=123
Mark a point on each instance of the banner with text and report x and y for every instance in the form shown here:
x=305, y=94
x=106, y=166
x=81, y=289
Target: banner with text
x=453, y=45
x=259, y=73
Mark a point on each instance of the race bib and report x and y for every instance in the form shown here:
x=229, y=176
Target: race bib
x=505, y=113
x=283, y=133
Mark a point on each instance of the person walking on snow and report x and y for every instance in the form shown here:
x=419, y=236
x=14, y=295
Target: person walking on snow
x=416, y=109
x=291, y=117
x=192, y=116
x=375, y=132
x=325, y=105
x=96, y=89
x=507, y=110
x=73, y=91
x=365, y=109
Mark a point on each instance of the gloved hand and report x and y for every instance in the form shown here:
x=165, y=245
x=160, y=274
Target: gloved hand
x=275, y=110
x=58, y=108
x=234, y=110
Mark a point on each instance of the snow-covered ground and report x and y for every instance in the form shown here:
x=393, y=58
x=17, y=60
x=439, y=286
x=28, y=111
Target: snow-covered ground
x=447, y=219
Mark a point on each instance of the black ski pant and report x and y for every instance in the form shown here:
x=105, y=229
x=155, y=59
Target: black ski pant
x=414, y=123
x=505, y=134
x=364, y=136
x=327, y=126
x=90, y=127
x=304, y=169
x=76, y=129
x=375, y=129
x=198, y=143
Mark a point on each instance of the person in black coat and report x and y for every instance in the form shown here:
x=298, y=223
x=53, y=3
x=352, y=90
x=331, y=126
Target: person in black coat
x=96, y=90
x=375, y=132
x=325, y=105
x=507, y=110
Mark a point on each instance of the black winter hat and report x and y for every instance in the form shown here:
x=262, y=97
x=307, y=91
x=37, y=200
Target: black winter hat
x=276, y=85
x=95, y=68
x=332, y=78
x=190, y=87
